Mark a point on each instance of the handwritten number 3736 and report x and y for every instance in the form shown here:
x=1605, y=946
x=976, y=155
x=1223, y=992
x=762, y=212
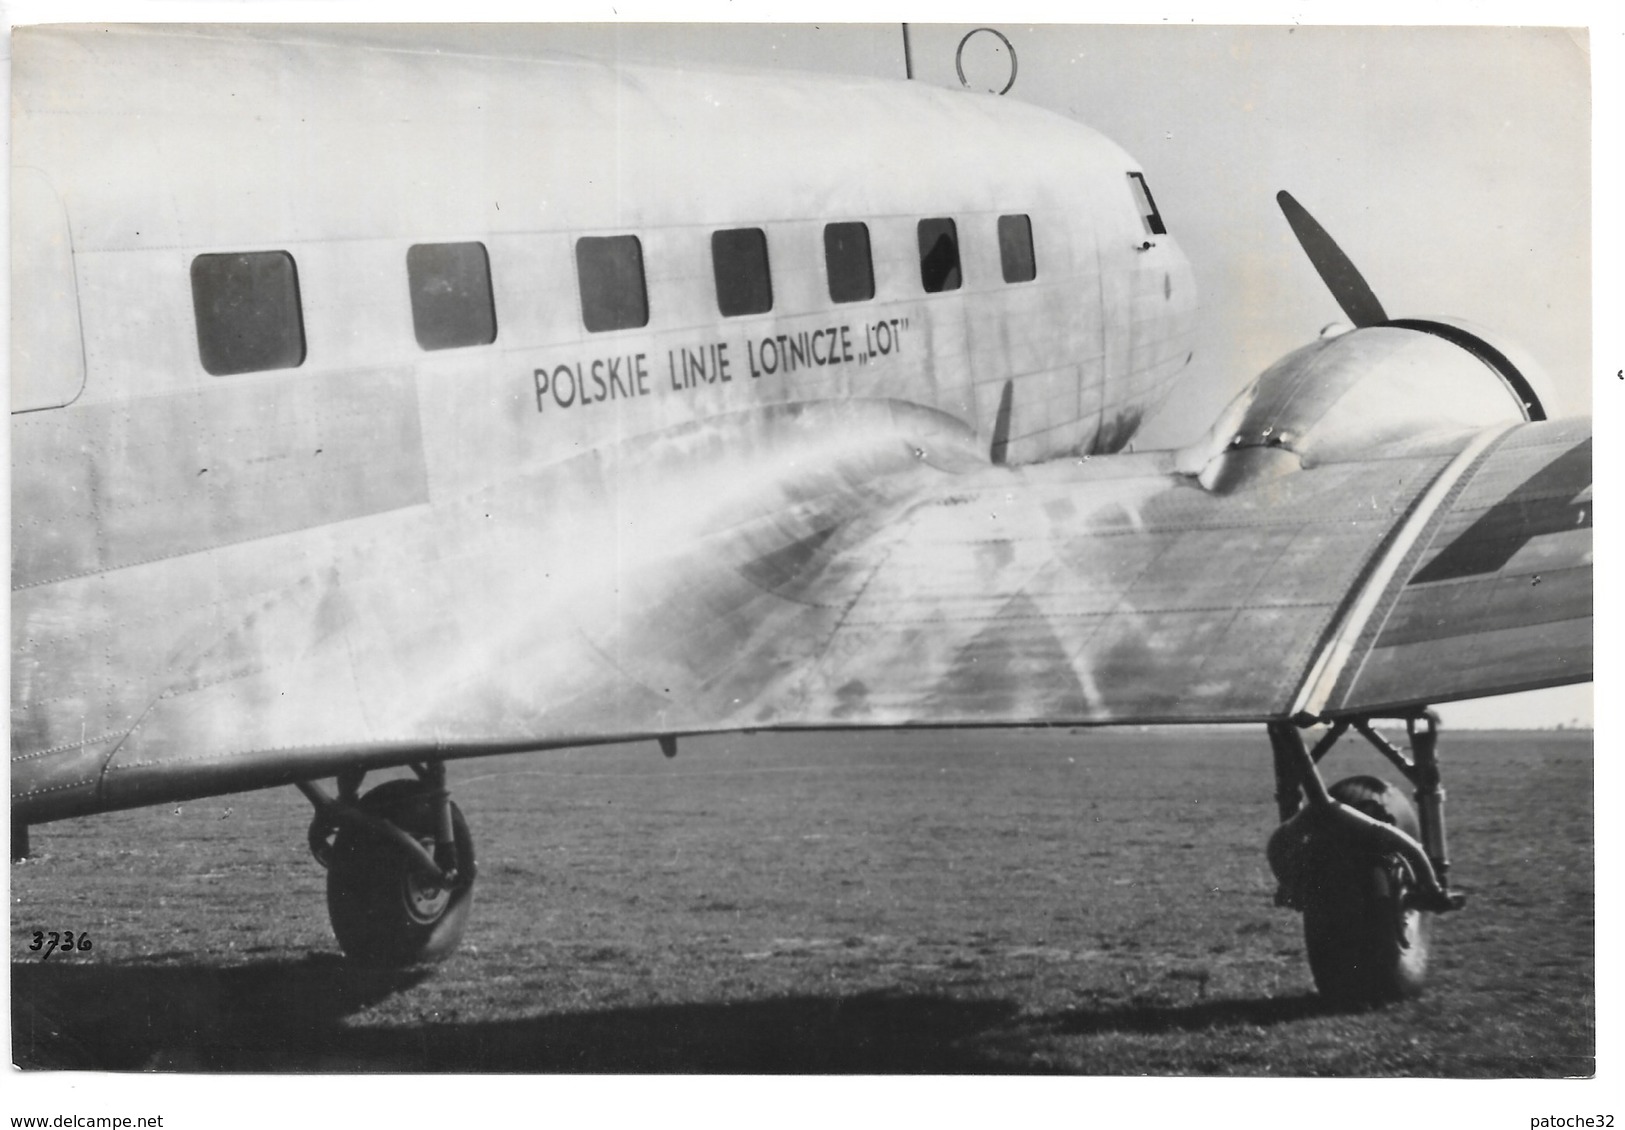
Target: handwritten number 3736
x=64, y=941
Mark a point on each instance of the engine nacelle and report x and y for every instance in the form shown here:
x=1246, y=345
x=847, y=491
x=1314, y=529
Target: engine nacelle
x=1348, y=393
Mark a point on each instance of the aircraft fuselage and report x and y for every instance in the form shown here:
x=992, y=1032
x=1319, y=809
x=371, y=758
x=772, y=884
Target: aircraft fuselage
x=361, y=398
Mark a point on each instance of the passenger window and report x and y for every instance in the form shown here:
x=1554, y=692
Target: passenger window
x=451, y=294
x=1016, y=249
x=847, y=262
x=739, y=261
x=939, y=255
x=247, y=310
x=610, y=270
x=1148, y=206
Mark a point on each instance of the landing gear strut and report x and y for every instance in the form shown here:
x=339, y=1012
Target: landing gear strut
x=400, y=867
x=1364, y=867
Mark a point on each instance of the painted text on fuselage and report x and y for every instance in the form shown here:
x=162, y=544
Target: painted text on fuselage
x=626, y=376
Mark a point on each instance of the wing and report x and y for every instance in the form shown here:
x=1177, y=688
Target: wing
x=868, y=569
x=1070, y=594
x=1495, y=593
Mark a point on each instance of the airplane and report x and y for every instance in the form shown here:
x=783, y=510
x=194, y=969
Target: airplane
x=377, y=407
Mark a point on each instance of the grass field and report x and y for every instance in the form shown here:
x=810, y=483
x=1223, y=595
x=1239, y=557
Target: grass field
x=967, y=901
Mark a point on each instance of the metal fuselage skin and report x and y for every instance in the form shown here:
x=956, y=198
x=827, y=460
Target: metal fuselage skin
x=386, y=552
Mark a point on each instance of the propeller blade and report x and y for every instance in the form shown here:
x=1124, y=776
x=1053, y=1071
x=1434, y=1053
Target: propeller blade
x=1336, y=269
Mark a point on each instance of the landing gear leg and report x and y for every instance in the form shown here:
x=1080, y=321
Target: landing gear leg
x=400, y=867
x=1358, y=861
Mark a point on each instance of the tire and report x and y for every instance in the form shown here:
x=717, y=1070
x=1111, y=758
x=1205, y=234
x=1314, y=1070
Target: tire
x=382, y=912
x=1365, y=946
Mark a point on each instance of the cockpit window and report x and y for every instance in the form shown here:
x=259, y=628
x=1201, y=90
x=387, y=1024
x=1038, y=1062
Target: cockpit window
x=847, y=262
x=739, y=262
x=1148, y=207
x=610, y=270
x=1016, y=249
x=939, y=255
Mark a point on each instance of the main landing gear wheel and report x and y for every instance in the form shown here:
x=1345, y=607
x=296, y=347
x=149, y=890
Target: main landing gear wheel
x=384, y=910
x=1366, y=943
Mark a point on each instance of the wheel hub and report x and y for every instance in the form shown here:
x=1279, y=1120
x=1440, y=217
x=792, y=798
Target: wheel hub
x=426, y=900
